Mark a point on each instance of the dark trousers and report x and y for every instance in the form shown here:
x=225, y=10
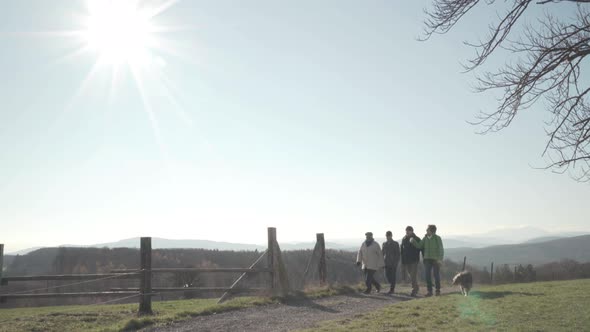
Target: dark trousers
x=370, y=279
x=412, y=270
x=390, y=274
x=430, y=266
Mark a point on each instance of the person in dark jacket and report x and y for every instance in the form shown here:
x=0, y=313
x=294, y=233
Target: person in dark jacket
x=411, y=257
x=391, y=256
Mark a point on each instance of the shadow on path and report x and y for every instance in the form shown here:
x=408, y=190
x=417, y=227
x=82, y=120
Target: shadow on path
x=370, y=296
x=312, y=303
x=308, y=303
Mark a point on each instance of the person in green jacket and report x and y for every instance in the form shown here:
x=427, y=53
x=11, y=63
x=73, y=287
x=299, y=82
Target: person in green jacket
x=433, y=252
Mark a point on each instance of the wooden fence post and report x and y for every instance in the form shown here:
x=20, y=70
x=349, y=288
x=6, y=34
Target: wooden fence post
x=270, y=255
x=2, y=299
x=492, y=273
x=514, y=275
x=322, y=263
x=1, y=261
x=145, y=284
x=464, y=262
x=315, y=249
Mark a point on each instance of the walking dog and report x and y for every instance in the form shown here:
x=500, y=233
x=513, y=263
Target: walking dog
x=465, y=282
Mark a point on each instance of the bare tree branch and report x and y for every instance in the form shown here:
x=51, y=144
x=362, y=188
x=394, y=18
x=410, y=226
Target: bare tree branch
x=550, y=58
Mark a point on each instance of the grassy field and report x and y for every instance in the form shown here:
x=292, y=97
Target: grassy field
x=543, y=306
x=122, y=317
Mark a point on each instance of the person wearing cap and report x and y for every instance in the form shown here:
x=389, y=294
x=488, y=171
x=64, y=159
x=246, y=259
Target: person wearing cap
x=411, y=258
x=371, y=258
x=433, y=255
x=391, y=258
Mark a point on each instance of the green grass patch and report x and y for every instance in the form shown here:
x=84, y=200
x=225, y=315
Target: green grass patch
x=122, y=317
x=543, y=306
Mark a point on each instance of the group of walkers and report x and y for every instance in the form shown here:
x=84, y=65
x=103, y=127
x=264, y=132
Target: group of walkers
x=372, y=259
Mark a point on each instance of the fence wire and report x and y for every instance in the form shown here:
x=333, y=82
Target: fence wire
x=31, y=291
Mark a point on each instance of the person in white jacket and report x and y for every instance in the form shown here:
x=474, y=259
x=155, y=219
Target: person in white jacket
x=371, y=258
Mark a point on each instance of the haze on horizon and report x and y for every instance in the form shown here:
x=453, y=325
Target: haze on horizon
x=225, y=118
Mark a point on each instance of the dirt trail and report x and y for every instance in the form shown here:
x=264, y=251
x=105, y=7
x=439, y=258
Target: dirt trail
x=286, y=317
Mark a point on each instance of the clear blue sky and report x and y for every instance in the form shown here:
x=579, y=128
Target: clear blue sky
x=311, y=116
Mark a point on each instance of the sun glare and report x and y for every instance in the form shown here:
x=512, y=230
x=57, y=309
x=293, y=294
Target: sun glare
x=127, y=41
x=119, y=32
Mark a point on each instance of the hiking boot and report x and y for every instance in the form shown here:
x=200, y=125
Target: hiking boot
x=367, y=291
x=437, y=292
x=413, y=293
x=378, y=288
x=429, y=294
x=390, y=291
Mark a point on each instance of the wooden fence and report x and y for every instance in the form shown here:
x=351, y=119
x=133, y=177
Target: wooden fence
x=318, y=256
x=275, y=268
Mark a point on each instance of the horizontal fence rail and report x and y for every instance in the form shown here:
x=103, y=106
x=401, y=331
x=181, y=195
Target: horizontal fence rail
x=70, y=277
x=197, y=269
x=275, y=269
x=57, y=295
x=195, y=289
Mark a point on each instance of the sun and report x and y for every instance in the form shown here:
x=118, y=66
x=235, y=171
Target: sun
x=119, y=32
x=128, y=44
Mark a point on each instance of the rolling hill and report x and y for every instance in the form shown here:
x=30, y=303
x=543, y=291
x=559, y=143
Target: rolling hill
x=576, y=248
x=544, y=239
x=161, y=243
x=7, y=261
x=481, y=251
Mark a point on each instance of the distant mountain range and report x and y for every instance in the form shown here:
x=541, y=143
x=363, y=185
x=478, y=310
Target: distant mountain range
x=516, y=235
x=161, y=243
x=544, y=239
x=501, y=236
x=507, y=236
x=532, y=252
x=22, y=251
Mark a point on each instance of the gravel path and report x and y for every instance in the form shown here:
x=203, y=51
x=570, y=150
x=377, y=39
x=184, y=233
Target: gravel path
x=286, y=317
